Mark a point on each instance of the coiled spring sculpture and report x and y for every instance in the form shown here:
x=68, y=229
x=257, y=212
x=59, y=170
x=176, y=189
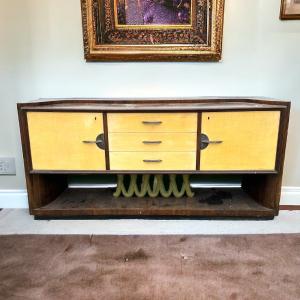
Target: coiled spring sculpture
x=153, y=186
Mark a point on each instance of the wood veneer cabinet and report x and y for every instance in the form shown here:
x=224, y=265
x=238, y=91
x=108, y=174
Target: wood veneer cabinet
x=183, y=136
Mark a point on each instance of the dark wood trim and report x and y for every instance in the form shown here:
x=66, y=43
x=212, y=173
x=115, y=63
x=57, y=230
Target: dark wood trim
x=148, y=172
x=23, y=125
x=165, y=110
x=270, y=103
x=198, y=150
x=152, y=106
x=138, y=213
x=23, y=122
x=280, y=156
x=280, y=130
x=105, y=127
x=282, y=137
x=153, y=100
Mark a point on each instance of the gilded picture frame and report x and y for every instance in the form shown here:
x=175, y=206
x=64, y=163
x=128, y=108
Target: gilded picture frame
x=152, y=30
x=290, y=10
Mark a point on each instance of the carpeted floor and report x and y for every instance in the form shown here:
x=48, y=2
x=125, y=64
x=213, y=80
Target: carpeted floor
x=150, y=267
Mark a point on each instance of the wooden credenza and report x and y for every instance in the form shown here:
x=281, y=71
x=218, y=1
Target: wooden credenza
x=245, y=137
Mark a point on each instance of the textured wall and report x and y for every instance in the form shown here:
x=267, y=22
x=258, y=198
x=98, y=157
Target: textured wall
x=41, y=55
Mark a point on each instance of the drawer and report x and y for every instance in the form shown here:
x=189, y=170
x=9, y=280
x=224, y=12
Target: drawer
x=247, y=141
x=152, y=141
x=56, y=141
x=152, y=122
x=152, y=161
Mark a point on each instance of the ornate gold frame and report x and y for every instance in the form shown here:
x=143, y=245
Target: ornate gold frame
x=133, y=44
x=153, y=27
x=284, y=16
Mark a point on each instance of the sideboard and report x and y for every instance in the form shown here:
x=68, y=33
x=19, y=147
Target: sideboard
x=211, y=136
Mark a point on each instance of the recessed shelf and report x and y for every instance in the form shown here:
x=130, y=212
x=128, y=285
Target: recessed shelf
x=98, y=202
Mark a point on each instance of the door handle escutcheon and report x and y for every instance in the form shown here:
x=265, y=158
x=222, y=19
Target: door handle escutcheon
x=100, y=141
x=204, y=141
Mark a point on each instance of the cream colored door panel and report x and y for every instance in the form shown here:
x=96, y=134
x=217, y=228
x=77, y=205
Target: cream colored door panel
x=56, y=141
x=156, y=161
x=152, y=122
x=152, y=141
x=249, y=140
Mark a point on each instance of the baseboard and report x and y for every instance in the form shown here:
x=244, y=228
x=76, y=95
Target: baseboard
x=18, y=198
x=290, y=195
x=13, y=199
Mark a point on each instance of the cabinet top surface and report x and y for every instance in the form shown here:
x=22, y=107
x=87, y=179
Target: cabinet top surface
x=170, y=104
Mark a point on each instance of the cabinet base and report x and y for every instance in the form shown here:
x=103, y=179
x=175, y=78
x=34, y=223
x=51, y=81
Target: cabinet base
x=86, y=203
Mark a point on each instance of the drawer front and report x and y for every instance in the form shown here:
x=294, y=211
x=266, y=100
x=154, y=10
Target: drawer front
x=248, y=140
x=56, y=141
x=169, y=142
x=136, y=161
x=152, y=122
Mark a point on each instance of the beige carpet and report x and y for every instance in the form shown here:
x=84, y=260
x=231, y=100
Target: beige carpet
x=150, y=267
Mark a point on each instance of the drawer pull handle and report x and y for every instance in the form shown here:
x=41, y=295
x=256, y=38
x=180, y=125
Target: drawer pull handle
x=213, y=142
x=100, y=141
x=152, y=122
x=152, y=160
x=205, y=141
x=152, y=142
x=92, y=142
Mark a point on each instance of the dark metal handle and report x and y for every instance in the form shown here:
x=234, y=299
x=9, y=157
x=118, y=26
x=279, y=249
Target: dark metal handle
x=204, y=141
x=152, y=142
x=212, y=142
x=100, y=141
x=92, y=142
x=152, y=122
x=152, y=160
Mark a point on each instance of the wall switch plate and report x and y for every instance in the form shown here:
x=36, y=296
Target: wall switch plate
x=7, y=166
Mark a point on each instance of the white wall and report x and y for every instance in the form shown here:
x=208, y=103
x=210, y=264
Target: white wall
x=41, y=55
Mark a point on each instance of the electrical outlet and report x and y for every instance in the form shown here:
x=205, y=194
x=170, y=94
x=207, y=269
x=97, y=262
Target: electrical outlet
x=7, y=166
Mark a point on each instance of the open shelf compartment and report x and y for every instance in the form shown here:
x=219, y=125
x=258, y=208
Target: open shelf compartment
x=98, y=202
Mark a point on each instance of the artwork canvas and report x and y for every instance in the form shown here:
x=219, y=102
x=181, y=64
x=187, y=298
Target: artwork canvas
x=290, y=10
x=153, y=12
x=152, y=30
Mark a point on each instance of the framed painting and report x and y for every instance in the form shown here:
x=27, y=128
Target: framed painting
x=152, y=30
x=290, y=10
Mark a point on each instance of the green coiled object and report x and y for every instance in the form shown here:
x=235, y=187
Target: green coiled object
x=153, y=186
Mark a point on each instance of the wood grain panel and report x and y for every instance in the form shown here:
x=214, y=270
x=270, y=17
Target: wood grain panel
x=169, y=161
x=56, y=141
x=134, y=122
x=152, y=141
x=249, y=140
